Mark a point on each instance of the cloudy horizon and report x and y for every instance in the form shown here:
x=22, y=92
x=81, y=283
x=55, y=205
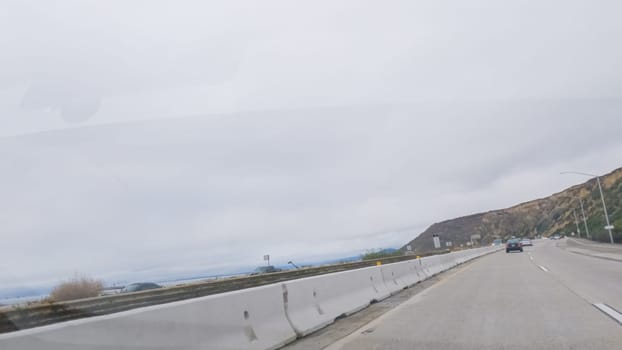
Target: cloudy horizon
x=188, y=196
x=151, y=139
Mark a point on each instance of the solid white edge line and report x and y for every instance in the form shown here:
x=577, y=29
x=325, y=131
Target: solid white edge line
x=543, y=268
x=609, y=311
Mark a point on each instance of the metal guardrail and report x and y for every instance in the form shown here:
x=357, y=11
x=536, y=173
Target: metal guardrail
x=16, y=318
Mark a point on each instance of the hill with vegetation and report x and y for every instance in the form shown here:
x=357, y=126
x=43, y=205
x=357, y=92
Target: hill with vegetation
x=545, y=217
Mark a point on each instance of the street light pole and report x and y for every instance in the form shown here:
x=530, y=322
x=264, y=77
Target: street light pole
x=587, y=230
x=602, y=197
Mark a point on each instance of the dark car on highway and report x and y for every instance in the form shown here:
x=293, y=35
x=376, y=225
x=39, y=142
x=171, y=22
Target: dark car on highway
x=137, y=287
x=513, y=244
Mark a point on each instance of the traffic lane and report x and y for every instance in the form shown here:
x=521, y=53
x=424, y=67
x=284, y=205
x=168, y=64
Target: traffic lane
x=596, y=280
x=501, y=301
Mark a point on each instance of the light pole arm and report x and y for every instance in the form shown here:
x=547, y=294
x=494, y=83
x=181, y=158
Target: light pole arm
x=578, y=173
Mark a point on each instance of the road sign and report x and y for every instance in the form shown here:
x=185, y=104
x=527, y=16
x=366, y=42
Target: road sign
x=437, y=241
x=610, y=227
x=448, y=244
x=267, y=258
x=409, y=247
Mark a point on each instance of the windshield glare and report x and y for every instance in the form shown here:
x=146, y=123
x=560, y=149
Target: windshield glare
x=281, y=174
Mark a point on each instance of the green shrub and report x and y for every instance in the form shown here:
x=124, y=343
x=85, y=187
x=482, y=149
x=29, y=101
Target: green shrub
x=380, y=254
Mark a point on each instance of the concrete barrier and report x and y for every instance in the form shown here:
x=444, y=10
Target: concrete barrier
x=37, y=315
x=463, y=257
x=432, y=264
x=475, y=253
x=416, y=276
x=315, y=302
x=448, y=261
x=381, y=291
x=398, y=276
x=249, y=319
x=420, y=270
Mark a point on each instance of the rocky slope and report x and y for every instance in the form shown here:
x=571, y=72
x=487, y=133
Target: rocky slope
x=545, y=216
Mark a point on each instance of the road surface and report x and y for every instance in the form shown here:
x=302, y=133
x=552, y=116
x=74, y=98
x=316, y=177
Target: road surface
x=544, y=298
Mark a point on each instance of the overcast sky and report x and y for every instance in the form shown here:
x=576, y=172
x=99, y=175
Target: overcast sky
x=144, y=139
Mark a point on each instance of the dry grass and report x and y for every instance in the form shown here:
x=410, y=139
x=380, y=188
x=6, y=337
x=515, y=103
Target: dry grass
x=79, y=287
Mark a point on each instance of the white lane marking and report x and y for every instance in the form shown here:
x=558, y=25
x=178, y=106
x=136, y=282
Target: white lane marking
x=531, y=258
x=609, y=311
x=543, y=268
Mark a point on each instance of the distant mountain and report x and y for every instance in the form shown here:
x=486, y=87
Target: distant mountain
x=20, y=292
x=545, y=216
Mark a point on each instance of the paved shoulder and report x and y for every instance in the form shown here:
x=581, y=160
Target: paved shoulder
x=596, y=250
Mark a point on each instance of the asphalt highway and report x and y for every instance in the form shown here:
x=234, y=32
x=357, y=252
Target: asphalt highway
x=547, y=297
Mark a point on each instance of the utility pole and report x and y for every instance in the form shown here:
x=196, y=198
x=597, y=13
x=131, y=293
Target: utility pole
x=576, y=222
x=587, y=230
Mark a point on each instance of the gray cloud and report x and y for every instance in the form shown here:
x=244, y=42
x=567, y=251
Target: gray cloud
x=190, y=193
x=318, y=129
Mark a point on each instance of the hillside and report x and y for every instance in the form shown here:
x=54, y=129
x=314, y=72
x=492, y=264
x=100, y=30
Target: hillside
x=545, y=216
